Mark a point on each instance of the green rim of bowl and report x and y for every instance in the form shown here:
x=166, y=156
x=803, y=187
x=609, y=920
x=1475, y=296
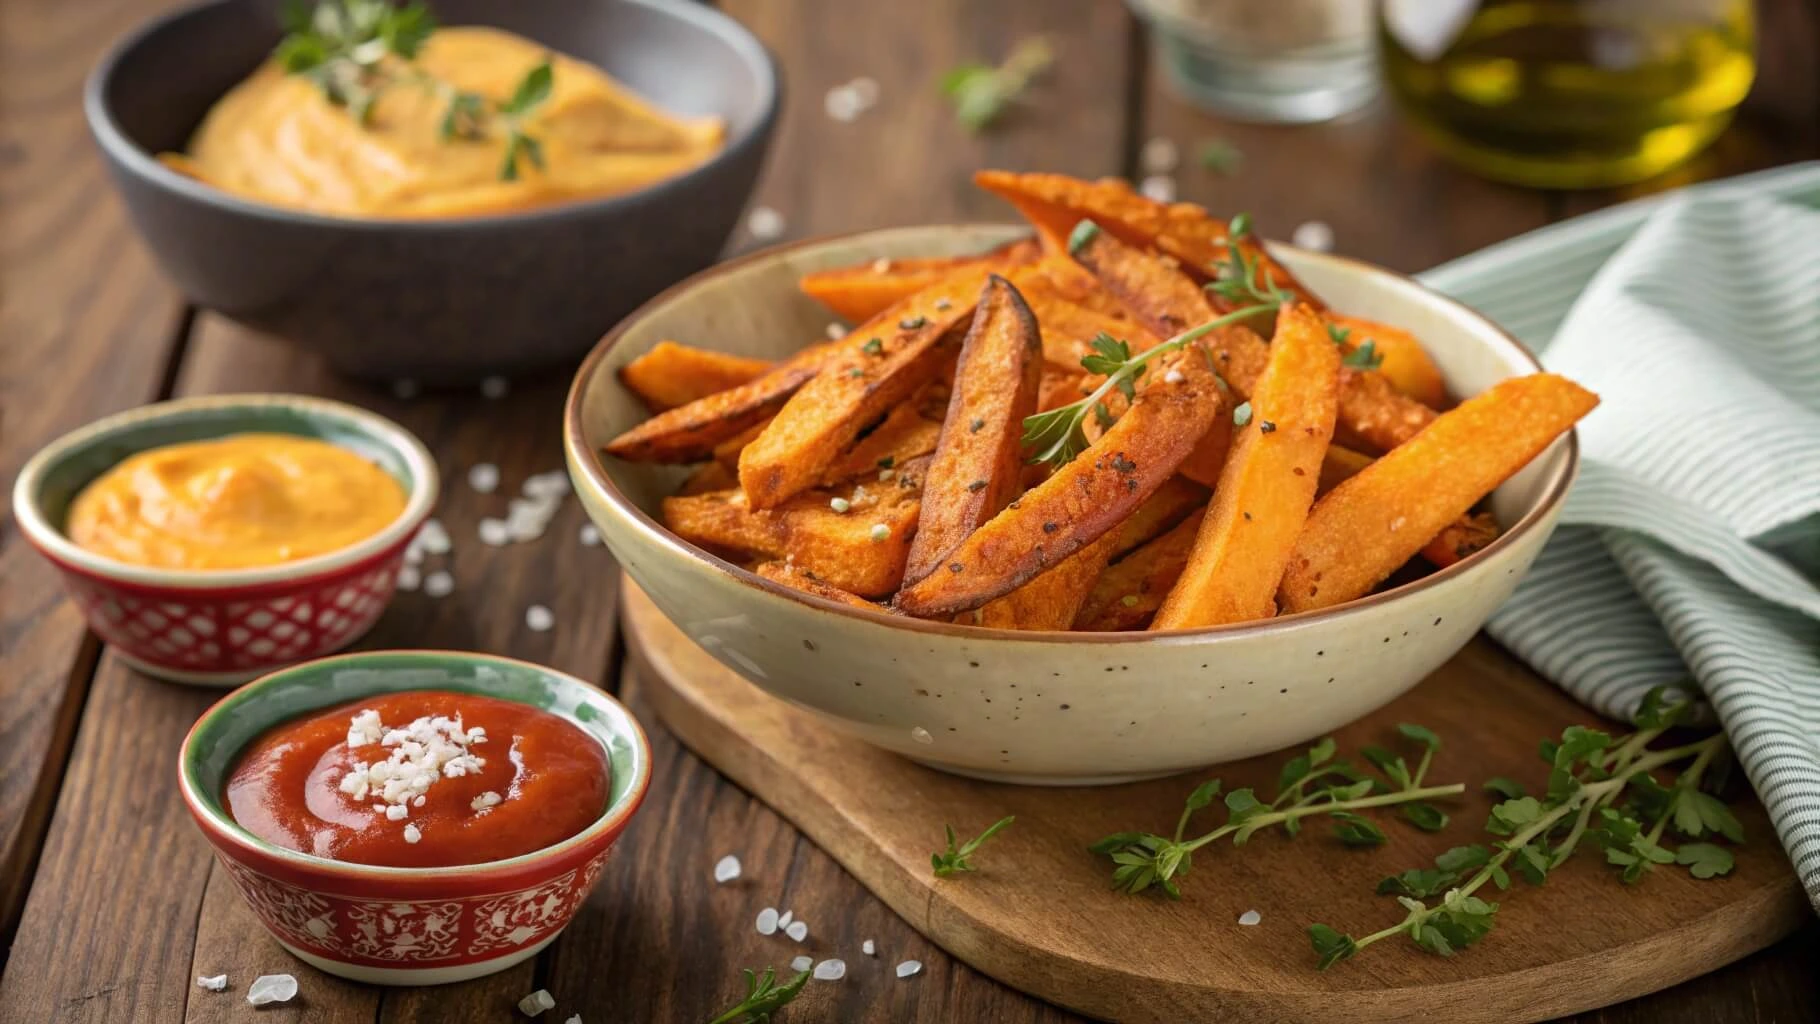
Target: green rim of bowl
x=52, y=479
x=223, y=731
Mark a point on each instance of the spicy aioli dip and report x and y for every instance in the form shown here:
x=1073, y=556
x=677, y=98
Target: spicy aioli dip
x=426, y=778
x=234, y=502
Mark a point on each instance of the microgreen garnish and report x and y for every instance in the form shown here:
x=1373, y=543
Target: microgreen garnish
x=763, y=998
x=1240, y=277
x=980, y=92
x=1601, y=789
x=1308, y=784
x=1218, y=156
x=1084, y=232
x=1338, y=334
x=954, y=859
x=911, y=323
x=1241, y=414
x=887, y=462
x=354, y=50
x=1057, y=436
x=873, y=346
x=1365, y=357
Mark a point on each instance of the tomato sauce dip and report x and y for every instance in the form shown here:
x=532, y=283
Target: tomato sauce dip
x=425, y=778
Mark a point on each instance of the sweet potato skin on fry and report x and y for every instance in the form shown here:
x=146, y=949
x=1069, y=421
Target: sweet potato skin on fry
x=1461, y=539
x=1267, y=485
x=1052, y=600
x=689, y=433
x=977, y=468
x=1128, y=594
x=1082, y=500
x=854, y=389
x=672, y=374
x=1362, y=530
x=861, y=292
x=796, y=578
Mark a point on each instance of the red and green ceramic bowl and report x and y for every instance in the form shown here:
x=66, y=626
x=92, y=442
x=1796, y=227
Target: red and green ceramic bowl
x=223, y=627
x=411, y=926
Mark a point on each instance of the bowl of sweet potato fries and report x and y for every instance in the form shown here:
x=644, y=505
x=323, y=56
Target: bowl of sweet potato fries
x=1119, y=492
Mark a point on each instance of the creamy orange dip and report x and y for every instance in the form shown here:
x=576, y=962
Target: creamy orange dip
x=275, y=138
x=237, y=502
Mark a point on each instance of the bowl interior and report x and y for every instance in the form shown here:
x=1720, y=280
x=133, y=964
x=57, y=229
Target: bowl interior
x=164, y=81
x=102, y=449
x=753, y=308
x=284, y=695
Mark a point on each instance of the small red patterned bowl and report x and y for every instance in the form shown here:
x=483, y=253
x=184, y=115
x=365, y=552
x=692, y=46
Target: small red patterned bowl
x=223, y=627
x=411, y=926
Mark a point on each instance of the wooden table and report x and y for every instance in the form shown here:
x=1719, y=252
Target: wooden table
x=109, y=900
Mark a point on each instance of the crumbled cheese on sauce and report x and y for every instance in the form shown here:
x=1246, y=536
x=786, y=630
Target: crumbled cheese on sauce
x=428, y=749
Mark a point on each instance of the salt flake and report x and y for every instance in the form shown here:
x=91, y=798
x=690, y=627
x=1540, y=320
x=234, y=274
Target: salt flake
x=1250, y=917
x=726, y=869
x=909, y=967
x=484, y=477
x=590, y=535
x=1315, y=234
x=271, y=988
x=536, y=1003
x=798, y=930
x=767, y=921
x=831, y=970
x=439, y=584
x=764, y=223
x=539, y=618
x=802, y=963
x=217, y=983
x=869, y=948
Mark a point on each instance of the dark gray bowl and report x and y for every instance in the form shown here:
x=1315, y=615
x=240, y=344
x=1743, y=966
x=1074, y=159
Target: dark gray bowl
x=438, y=301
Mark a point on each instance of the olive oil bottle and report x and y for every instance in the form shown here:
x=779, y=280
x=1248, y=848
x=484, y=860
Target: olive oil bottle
x=1569, y=93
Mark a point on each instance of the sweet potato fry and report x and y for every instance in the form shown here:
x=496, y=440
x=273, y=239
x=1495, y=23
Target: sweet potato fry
x=1054, y=203
x=843, y=549
x=797, y=578
x=1165, y=300
x=1052, y=600
x=977, y=470
x=688, y=433
x=1340, y=464
x=1404, y=362
x=711, y=476
x=883, y=363
x=1462, y=538
x=1204, y=463
x=1362, y=530
x=861, y=292
x=671, y=374
x=1084, y=499
x=1061, y=388
x=1128, y=594
x=1267, y=485
x=904, y=434
x=1059, y=276
x=727, y=452
x=1178, y=498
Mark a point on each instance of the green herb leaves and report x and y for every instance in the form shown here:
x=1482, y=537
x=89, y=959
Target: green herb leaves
x=763, y=998
x=953, y=860
x=354, y=50
x=982, y=93
x=1218, y=156
x=1313, y=783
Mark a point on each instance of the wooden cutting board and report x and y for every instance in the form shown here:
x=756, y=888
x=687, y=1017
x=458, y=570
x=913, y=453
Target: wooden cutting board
x=1038, y=915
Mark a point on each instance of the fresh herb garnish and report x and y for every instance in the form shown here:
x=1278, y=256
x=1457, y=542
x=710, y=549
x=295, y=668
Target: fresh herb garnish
x=980, y=92
x=1601, y=789
x=1241, y=414
x=1308, y=784
x=954, y=859
x=873, y=346
x=1240, y=277
x=763, y=998
x=1338, y=334
x=1365, y=357
x=354, y=50
x=1219, y=156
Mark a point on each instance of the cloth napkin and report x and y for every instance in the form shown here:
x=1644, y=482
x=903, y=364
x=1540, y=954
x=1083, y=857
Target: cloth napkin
x=1689, y=549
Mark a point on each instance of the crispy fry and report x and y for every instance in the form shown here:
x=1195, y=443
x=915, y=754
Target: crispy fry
x=711, y=476
x=797, y=578
x=1267, y=485
x=1060, y=388
x=904, y=434
x=1052, y=600
x=1058, y=276
x=1128, y=594
x=688, y=433
x=1405, y=363
x=727, y=452
x=856, y=388
x=1177, y=498
x=862, y=291
x=1055, y=203
x=671, y=374
x=1166, y=301
x=1461, y=539
x=1362, y=530
x=1204, y=463
x=1338, y=465
x=1084, y=499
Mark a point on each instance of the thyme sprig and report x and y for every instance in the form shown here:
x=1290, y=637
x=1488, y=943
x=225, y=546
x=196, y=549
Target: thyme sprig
x=981, y=93
x=763, y=998
x=356, y=50
x=1240, y=277
x=1309, y=784
x=953, y=860
x=1600, y=789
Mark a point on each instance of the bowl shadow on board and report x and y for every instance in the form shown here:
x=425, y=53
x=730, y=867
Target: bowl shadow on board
x=442, y=301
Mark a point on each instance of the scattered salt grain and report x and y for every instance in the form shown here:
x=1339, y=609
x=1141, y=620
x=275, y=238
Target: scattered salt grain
x=798, y=930
x=834, y=331
x=412, y=834
x=218, y=983
x=1315, y=234
x=539, y=618
x=869, y=948
x=801, y=963
x=439, y=584
x=494, y=533
x=410, y=577
x=413, y=555
x=764, y=223
x=784, y=921
x=842, y=103
x=1174, y=376
x=434, y=537
x=839, y=504
x=396, y=812
x=831, y=970
x=1250, y=917
x=1159, y=156
x=881, y=266
x=536, y=1003
x=485, y=800
x=1160, y=187
x=405, y=388
x=880, y=533
x=726, y=869
x=921, y=735
x=767, y=921
x=551, y=485
x=484, y=477
x=271, y=988
x=909, y=967
x=590, y=535
x=494, y=388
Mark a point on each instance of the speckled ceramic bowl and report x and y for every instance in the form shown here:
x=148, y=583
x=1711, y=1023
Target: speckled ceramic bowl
x=411, y=926
x=221, y=627
x=1057, y=708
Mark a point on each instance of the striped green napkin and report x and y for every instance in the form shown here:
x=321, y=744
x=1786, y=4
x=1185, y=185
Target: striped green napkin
x=1690, y=546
